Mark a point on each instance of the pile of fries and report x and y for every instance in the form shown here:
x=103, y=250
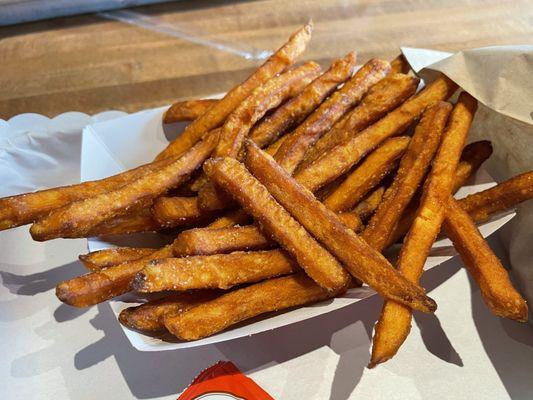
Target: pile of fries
x=286, y=192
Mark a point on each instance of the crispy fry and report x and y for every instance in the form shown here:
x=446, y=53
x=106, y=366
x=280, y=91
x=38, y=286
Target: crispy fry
x=139, y=221
x=206, y=241
x=231, y=218
x=382, y=98
x=171, y=212
x=395, y=321
x=96, y=287
x=187, y=110
x=342, y=157
x=84, y=215
x=28, y=207
x=278, y=62
x=97, y=260
x=472, y=157
x=361, y=260
x=264, y=98
x=351, y=220
x=369, y=205
x=317, y=262
x=294, y=111
x=148, y=317
x=496, y=288
x=293, y=150
x=400, y=64
x=413, y=168
x=241, y=304
x=365, y=177
x=480, y=206
x=474, y=154
x=238, y=124
x=218, y=271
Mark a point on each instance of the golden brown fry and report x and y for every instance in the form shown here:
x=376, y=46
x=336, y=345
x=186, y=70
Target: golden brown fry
x=395, y=321
x=365, y=177
x=369, y=205
x=294, y=111
x=187, y=110
x=342, y=157
x=97, y=260
x=172, y=212
x=382, y=98
x=363, y=262
x=96, y=287
x=472, y=157
x=293, y=150
x=206, y=241
x=474, y=154
x=413, y=168
x=84, y=215
x=317, y=262
x=505, y=195
x=264, y=98
x=148, y=317
x=351, y=220
x=278, y=62
x=218, y=271
x=28, y=207
x=241, y=304
x=231, y=218
x=139, y=221
x=400, y=65
x=496, y=288
x=238, y=124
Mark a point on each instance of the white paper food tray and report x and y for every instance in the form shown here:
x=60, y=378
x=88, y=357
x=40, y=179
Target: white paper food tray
x=113, y=146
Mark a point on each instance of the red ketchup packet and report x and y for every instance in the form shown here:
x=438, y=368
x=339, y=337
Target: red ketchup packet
x=223, y=381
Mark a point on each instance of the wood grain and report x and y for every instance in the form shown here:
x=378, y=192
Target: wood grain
x=90, y=63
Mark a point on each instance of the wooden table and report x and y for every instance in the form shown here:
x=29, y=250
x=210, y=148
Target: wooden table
x=92, y=63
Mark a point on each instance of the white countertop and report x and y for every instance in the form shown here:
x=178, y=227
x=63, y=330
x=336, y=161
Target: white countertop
x=50, y=350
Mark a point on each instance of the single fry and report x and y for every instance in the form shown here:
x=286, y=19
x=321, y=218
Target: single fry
x=137, y=221
x=294, y=111
x=206, y=241
x=293, y=150
x=238, y=124
x=172, y=212
x=382, y=98
x=215, y=116
x=365, y=177
x=96, y=287
x=26, y=208
x=395, y=320
x=363, y=262
x=506, y=195
x=413, y=168
x=472, y=157
x=342, y=157
x=493, y=280
x=84, y=215
x=231, y=218
x=187, y=110
x=366, y=208
x=474, y=154
x=351, y=220
x=317, y=262
x=148, y=317
x=239, y=305
x=97, y=260
x=218, y=271
x=400, y=64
